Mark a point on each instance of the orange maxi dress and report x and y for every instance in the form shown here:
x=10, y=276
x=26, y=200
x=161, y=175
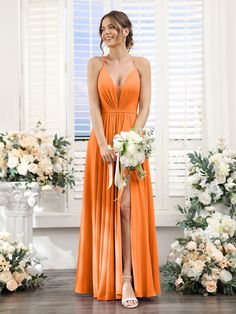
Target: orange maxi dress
x=99, y=263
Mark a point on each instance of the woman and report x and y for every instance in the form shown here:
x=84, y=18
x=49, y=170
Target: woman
x=117, y=254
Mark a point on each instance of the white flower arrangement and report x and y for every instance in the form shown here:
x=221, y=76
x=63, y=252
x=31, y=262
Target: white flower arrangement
x=20, y=268
x=212, y=178
x=131, y=148
x=35, y=157
x=204, y=261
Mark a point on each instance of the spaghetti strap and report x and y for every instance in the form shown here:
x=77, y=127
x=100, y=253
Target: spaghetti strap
x=103, y=60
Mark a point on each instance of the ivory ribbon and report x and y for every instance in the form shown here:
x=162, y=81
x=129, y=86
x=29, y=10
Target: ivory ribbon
x=118, y=173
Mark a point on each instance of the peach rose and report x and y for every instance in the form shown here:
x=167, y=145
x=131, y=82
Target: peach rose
x=19, y=277
x=211, y=286
x=12, y=285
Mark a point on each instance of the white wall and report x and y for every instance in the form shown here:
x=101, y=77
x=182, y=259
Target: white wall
x=9, y=65
x=231, y=63
x=60, y=245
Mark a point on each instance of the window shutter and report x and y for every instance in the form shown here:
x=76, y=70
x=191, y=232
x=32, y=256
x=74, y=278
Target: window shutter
x=87, y=15
x=185, y=90
x=44, y=75
x=44, y=64
x=144, y=18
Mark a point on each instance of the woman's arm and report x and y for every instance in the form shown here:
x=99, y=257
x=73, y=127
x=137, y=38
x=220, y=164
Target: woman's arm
x=93, y=69
x=144, y=68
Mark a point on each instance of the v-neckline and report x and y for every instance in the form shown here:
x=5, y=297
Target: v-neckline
x=117, y=86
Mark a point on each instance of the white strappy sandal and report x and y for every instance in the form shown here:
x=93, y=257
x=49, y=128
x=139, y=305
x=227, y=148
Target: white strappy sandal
x=124, y=301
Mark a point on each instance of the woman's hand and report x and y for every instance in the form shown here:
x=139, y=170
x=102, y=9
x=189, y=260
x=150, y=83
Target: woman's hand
x=108, y=154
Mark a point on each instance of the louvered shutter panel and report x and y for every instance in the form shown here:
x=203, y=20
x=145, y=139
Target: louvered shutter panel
x=44, y=64
x=87, y=15
x=44, y=75
x=144, y=18
x=185, y=90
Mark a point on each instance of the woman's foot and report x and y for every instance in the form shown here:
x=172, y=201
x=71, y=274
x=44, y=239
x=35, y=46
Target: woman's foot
x=128, y=297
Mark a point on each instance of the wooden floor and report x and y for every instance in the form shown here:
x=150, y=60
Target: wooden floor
x=58, y=296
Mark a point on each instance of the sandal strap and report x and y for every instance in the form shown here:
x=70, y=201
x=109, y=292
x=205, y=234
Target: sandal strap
x=127, y=276
x=129, y=299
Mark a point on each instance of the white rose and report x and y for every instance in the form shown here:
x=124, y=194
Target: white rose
x=117, y=145
x=27, y=159
x=124, y=161
x=228, y=225
x=35, y=269
x=194, y=179
x=225, y=276
x=57, y=167
x=12, y=161
x=46, y=165
x=199, y=265
x=133, y=162
x=210, y=208
x=230, y=184
x=22, y=168
x=191, y=246
x=223, y=169
x=131, y=148
x=204, y=198
x=220, y=179
x=124, y=135
x=140, y=157
x=224, y=236
x=215, y=158
x=178, y=261
x=4, y=236
x=193, y=273
x=217, y=242
x=175, y=245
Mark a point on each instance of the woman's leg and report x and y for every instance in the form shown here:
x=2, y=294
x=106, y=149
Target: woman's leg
x=127, y=289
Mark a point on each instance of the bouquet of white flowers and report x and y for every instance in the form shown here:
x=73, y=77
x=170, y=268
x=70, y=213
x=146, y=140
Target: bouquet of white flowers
x=20, y=268
x=205, y=260
x=35, y=157
x=131, y=148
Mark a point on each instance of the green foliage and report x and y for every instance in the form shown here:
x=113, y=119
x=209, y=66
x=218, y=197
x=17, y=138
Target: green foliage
x=169, y=274
x=206, y=167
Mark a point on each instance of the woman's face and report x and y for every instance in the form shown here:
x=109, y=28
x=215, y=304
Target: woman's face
x=109, y=33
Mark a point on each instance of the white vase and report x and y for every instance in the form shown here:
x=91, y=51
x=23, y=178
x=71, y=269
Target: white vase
x=18, y=203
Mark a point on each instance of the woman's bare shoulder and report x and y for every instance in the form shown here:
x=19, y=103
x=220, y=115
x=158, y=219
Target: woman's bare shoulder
x=142, y=63
x=95, y=61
